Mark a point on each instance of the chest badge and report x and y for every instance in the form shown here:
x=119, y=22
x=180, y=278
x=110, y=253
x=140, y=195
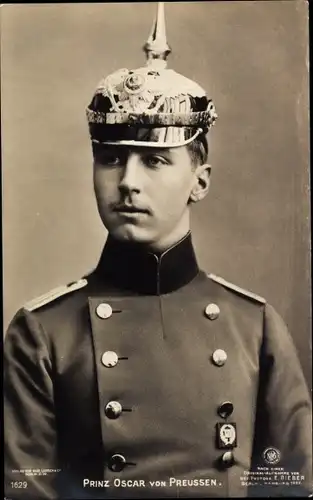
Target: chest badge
x=226, y=435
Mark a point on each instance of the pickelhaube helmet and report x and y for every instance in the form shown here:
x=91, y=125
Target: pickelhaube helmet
x=152, y=105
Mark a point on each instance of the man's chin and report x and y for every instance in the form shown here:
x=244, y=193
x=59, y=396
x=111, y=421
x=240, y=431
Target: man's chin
x=132, y=234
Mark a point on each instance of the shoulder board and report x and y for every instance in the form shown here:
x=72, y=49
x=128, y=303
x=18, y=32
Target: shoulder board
x=236, y=288
x=54, y=294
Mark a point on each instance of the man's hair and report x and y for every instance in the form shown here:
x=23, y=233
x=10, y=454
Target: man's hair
x=198, y=150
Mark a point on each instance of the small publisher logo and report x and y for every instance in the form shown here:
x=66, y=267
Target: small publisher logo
x=271, y=456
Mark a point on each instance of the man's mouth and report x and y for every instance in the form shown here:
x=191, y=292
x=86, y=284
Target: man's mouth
x=131, y=209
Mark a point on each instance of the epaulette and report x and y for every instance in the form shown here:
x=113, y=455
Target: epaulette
x=54, y=294
x=237, y=289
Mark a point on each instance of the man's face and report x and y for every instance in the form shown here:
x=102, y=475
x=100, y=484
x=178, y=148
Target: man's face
x=142, y=193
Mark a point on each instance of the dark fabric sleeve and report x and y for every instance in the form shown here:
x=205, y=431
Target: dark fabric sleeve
x=284, y=416
x=29, y=420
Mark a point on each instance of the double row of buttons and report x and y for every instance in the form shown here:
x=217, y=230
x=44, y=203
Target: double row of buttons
x=113, y=409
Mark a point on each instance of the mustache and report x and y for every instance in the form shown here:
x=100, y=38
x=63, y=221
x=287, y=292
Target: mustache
x=123, y=206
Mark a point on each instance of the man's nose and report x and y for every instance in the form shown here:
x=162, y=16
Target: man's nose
x=131, y=174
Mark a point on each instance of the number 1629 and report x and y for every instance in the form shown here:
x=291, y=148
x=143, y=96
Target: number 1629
x=18, y=484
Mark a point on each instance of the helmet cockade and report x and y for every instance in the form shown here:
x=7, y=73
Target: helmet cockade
x=134, y=83
x=151, y=105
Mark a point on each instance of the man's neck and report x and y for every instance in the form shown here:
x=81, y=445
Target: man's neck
x=131, y=266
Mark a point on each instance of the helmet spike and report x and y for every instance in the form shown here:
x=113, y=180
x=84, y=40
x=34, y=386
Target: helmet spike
x=156, y=47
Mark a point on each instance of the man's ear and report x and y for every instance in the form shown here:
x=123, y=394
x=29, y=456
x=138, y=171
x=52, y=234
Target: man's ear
x=202, y=183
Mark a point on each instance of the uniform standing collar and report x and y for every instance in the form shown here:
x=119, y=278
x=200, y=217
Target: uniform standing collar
x=130, y=267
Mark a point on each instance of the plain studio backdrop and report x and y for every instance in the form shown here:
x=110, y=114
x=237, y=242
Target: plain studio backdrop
x=251, y=57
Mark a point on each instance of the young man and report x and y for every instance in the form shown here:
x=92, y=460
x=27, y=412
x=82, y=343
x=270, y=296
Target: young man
x=148, y=377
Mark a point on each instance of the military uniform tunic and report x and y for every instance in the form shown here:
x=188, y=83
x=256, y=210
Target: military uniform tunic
x=133, y=374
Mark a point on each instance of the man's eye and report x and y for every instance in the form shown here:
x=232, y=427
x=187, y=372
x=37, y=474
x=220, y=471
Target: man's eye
x=155, y=161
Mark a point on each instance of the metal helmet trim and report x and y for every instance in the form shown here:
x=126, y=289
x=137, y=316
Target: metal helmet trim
x=151, y=144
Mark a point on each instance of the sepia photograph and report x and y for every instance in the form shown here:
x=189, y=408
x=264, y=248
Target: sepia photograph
x=156, y=250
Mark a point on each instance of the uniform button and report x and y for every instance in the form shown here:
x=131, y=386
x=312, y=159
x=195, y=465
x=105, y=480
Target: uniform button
x=113, y=409
x=228, y=458
x=109, y=359
x=104, y=311
x=212, y=311
x=116, y=463
x=225, y=409
x=219, y=357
